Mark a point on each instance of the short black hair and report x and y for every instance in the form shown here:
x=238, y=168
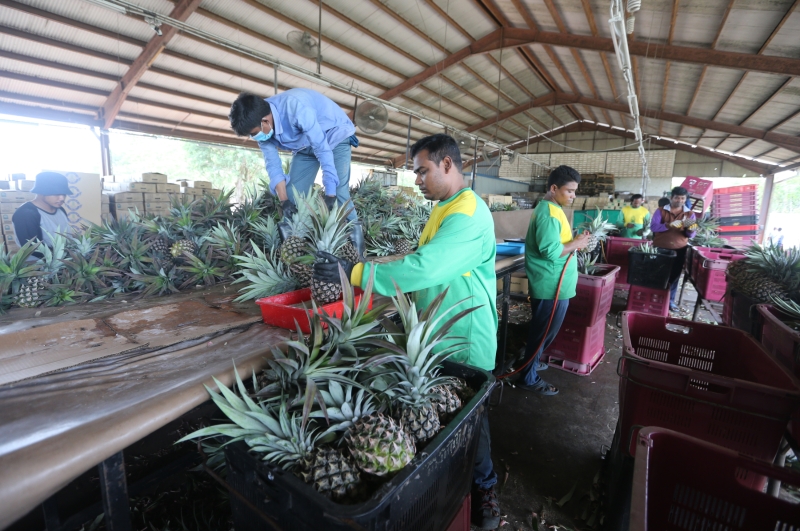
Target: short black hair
x=634, y=197
x=246, y=113
x=563, y=175
x=664, y=201
x=438, y=146
x=679, y=190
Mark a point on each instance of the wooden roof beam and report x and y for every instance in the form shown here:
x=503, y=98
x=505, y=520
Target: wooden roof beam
x=675, y=4
x=108, y=112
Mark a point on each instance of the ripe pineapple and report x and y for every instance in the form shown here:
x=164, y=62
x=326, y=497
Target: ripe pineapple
x=295, y=247
x=329, y=234
x=182, y=246
x=406, y=242
x=598, y=230
x=445, y=399
x=31, y=293
x=331, y=473
x=379, y=445
x=766, y=273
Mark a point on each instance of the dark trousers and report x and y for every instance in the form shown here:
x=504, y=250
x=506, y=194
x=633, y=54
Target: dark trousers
x=483, y=473
x=540, y=316
x=675, y=274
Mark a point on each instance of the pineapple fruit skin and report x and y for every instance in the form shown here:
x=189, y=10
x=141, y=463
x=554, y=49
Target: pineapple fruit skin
x=331, y=473
x=379, y=445
x=421, y=422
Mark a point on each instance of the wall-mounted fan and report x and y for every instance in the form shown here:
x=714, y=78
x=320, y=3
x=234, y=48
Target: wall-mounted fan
x=511, y=156
x=465, y=142
x=371, y=117
x=303, y=43
x=486, y=158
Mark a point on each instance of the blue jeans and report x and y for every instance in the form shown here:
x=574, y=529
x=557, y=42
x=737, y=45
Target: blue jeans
x=303, y=171
x=483, y=474
x=540, y=316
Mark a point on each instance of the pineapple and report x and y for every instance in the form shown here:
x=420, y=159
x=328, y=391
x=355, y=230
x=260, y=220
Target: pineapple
x=598, y=230
x=294, y=249
x=329, y=234
x=284, y=439
x=182, y=246
x=446, y=400
x=16, y=271
x=265, y=273
x=414, y=373
x=30, y=293
x=766, y=273
x=406, y=243
x=379, y=445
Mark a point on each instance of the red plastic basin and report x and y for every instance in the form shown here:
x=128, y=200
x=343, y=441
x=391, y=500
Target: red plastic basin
x=582, y=345
x=648, y=300
x=281, y=310
x=707, y=381
x=710, y=279
x=778, y=338
x=593, y=296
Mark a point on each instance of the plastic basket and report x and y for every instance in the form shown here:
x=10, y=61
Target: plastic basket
x=703, y=380
x=739, y=228
x=593, y=296
x=286, y=310
x=723, y=211
x=778, y=338
x=682, y=483
x=650, y=270
x=580, y=346
x=426, y=495
x=510, y=249
x=699, y=188
x=736, y=189
x=744, y=315
x=710, y=279
x=735, y=221
x=648, y=300
x=616, y=251
x=737, y=198
x=740, y=242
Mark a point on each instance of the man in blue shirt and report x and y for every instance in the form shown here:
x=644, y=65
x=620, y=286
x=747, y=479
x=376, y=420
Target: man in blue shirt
x=317, y=132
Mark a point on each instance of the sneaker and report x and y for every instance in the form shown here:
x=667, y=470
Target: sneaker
x=485, y=509
x=673, y=307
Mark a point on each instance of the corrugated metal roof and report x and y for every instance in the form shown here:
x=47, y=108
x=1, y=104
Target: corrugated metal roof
x=68, y=54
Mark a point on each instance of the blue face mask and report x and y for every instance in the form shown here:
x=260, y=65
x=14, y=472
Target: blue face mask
x=261, y=136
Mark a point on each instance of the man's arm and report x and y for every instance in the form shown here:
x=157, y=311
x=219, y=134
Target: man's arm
x=272, y=162
x=26, y=226
x=455, y=249
x=306, y=121
x=656, y=224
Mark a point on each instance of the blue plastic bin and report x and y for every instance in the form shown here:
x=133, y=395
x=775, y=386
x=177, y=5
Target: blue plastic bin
x=510, y=249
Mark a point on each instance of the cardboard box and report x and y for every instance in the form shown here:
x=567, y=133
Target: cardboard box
x=168, y=188
x=205, y=185
x=83, y=206
x=24, y=185
x=155, y=178
x=12, y=248
x=105, y=208
x=124, y=197
x=5, y=185
x=105, y=198
x=157, y=208
x=492, y=199
x=106, y=217
x=130, y=187
x=9, y=208
x=5, y=217
x=7, y=227
x=213, y=193
x=124, y=207
x=190, y=190
x=15, y=196
x=125, y=214
x=157, y=198
x=519, y=285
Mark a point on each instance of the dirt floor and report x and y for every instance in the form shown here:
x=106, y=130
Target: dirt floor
x=547, y=451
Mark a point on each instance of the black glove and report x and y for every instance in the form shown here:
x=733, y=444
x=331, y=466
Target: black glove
x=330, y=200
x=328, y=271
x=289, y=209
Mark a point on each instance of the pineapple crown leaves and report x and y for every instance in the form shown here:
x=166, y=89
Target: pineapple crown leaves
x=16, y=268
x=206, y=271
x=645, y=247
x=88, y=272
x=84, y=244
x=266, y=275
x=598, y=225
x=58, y=294
x=330, y=228
x=154, y=282
x=301, y=223
x=52, y=259
x=789, y=307
x=343, y=409
x=265, y=232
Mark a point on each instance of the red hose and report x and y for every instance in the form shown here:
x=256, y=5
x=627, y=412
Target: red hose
x=547, y=330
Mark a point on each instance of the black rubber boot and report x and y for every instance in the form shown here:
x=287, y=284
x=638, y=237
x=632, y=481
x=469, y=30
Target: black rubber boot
x=485, y=509
x=357, y=237
x=284, y=231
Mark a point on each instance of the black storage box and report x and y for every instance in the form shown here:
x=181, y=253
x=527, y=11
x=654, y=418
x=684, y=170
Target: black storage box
x=744, y=314
x=650, y=270
x=424, y=496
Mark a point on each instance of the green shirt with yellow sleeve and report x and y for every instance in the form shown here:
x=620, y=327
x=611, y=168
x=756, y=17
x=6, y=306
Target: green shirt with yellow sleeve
x=548, y=231
x=456, y=251
x=640, y=217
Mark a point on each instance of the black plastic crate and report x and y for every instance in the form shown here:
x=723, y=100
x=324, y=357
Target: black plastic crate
x=424, y=496
x=734, y=221
x=650, y=270
x=744, y=314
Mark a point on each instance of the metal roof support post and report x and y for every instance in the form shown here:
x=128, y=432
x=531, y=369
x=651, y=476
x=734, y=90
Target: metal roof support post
x=105, y=153
x=475, y=165
x=769, y=185
x=408, y=142
x=275, y=69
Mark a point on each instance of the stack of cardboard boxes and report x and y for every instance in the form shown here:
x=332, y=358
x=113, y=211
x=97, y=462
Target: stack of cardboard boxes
x=149, y=194
x=197, y=189
x=10, y=201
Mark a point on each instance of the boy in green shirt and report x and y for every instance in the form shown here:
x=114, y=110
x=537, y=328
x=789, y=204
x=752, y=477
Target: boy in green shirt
x=634, y=218
x=548, y=247
x=456, y=251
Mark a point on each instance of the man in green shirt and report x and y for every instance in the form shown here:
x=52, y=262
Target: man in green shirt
x=548, y=247
x=456, y=252
x=635, y=217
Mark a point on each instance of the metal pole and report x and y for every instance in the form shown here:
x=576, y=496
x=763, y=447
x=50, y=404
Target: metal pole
x=114, y=491
x=408, y=142
x=769, y=184
x=475, y=165
x=275, y=69
x=105, y=153
x=319, y=41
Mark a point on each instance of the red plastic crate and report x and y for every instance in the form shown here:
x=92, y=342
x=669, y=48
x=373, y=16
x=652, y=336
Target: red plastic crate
x=683, y=483
x=581, y=369
x=581, y=346
x=778, y=338
x=593, y=296
x=727, y=309
x=648, y=300
x=699, y=189
x=741, y=242
x=736, y=189
x=731, y=212
x=733, y=199
x=739, y=228
x=281, y=310
x=707, y=381
x=617, y=254
x=461, y=521
x=710, y=279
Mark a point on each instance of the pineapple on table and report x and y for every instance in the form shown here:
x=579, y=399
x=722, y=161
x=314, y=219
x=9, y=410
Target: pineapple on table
x=329, y=234
x=294, y=249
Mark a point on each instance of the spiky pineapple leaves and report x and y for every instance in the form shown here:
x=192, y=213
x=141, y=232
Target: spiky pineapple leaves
x=266, y=275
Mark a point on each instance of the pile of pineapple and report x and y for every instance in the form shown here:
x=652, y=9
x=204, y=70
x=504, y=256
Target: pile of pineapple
x=351, y=404
x=204, y=242
x=768, y=273
x=707, y=233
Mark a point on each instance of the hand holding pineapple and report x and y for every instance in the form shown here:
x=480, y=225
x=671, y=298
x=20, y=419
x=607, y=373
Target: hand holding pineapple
x=327, y=269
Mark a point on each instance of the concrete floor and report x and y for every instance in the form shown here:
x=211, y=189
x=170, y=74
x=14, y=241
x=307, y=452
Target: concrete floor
x=544, y=447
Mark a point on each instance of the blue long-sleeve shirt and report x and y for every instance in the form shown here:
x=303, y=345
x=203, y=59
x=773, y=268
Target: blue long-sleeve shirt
x=305, y=118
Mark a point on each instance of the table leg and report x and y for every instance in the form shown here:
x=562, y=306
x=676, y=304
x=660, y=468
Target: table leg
x=52, y=520
x=697, y=305
x=114, y=491
x=683, y=286
x=502, y=344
